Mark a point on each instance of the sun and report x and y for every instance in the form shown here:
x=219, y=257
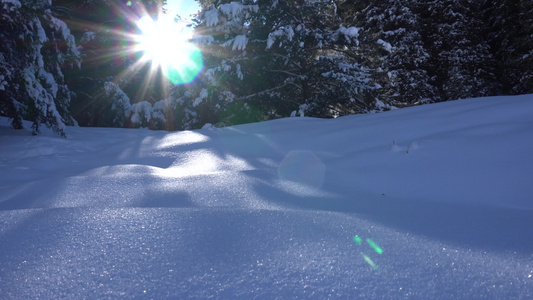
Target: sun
x=164, y=43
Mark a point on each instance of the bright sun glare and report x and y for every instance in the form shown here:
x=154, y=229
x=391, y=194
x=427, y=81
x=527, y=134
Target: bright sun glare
x=166, y=45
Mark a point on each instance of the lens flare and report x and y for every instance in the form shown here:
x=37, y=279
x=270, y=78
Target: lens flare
x=302, y=167
x=359, y=241
x=369, y=261
x=166, y=45
x=374, y=246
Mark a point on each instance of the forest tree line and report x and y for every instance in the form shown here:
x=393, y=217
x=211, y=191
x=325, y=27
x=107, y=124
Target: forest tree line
x=70, y=62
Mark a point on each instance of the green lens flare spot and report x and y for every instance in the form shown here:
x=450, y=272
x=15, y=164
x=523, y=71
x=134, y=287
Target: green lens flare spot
x=129, y=3
x=357, y=240
x=369, y=261
x=185, y=69
x=374, y=246
x=166, y=45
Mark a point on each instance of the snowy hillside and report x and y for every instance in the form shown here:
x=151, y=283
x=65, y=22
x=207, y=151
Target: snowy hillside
x=429, y=202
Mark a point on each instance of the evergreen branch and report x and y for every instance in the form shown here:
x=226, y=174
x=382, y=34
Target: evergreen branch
x=288, y=58
x=285, y=72
x=268, y=91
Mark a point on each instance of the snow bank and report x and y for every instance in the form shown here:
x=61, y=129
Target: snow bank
x=473, y=151
x=428, y=202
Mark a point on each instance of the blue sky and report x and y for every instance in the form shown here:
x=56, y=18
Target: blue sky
x=183, y=7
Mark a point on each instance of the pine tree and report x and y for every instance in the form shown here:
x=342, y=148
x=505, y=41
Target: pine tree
x=12, y=60
x=103, y=29
x=224, y=35
x=267, y=58
x=404, y=60
x=503, y=29
x=510, y=35
x=316, y=59
x=465, y=67
x=36, y=48
x=525, y=58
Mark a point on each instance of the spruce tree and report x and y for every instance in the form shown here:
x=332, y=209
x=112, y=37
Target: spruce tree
x=404, y=61
x=266, y=59
x=465, y=66
x=525, y=57
x=36, y=48
x=104, y=30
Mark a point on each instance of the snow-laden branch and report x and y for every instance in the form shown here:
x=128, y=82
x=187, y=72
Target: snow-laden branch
x=234, y=9
x=240, y=42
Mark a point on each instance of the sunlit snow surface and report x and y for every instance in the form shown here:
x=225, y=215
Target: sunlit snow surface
x=431, y=202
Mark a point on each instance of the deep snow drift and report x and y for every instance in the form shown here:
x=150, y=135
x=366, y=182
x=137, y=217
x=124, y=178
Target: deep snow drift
x=430, y=202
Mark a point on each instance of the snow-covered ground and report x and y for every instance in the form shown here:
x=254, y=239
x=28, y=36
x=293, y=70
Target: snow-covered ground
x=429, y=202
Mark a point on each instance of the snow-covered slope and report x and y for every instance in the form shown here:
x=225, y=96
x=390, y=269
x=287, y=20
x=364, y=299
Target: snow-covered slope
x=430, y=202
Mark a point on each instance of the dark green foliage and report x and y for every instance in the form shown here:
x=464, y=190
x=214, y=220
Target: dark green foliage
x=525, y=48
x=404, y=61
x=510, y=36
x=36, y=48
x=103, y=30
x=464, y=64
x=296, y=58
x=263, y=59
